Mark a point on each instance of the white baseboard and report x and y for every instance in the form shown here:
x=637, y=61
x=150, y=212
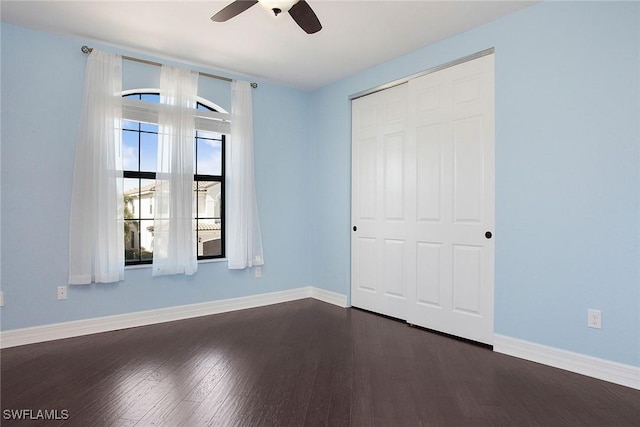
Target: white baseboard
x=606, y=370
x=330, y=297
x=36, y=334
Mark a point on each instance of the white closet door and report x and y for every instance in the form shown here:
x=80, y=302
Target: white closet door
x=380, y=211
x=423, y=201
x=451, y=120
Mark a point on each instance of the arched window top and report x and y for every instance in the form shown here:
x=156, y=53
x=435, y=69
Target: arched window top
x=209, y=117
x=212, y=106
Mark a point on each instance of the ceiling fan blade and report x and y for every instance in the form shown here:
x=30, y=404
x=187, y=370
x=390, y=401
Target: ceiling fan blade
x=235, y=8
x=305, y=17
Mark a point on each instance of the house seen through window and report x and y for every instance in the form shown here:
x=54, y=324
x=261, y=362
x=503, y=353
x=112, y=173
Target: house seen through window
x=140, y=146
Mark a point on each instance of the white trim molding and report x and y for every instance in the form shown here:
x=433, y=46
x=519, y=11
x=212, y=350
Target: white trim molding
x=36, y=334
x=329, y=297
x=602, y=369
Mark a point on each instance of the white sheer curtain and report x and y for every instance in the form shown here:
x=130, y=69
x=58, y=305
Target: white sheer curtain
x=244, y=242
x=96, y=241
x=174, y=234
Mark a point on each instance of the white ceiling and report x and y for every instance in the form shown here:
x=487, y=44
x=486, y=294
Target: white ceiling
x=356, y=34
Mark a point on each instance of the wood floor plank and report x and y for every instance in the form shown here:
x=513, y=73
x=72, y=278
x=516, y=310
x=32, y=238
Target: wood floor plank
x=209, y=381
x=303, y=363
x=179, y=382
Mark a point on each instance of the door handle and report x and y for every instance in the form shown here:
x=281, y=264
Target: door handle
x=488, y=235
x=355, y=228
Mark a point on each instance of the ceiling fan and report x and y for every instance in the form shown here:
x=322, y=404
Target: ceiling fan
x=299, y=10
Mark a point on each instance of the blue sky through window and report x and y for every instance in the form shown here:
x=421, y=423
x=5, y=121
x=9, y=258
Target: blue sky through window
x=140, y=146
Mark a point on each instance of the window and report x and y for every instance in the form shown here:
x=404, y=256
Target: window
x=140, y=146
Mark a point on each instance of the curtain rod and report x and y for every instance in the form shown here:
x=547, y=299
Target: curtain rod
x=87, y=50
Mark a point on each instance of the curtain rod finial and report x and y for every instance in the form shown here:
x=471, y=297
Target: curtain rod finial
x=254, y=85
x=86, y=49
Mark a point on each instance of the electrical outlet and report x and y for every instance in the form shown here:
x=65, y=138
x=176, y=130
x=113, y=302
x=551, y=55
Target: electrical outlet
x=258, y=271
x=62, y=292
x=594, y=318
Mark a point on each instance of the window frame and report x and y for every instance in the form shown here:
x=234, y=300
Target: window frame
x=210, y=118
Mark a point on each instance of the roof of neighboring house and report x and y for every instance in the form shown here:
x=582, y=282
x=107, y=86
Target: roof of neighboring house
x=197, y=186
x=208, y=226
x=203, y=225
x=144, y=189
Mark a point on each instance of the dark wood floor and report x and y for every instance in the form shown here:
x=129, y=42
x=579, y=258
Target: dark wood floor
x=293, y=364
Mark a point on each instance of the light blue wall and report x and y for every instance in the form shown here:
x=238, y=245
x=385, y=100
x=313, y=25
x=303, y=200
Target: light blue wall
x=567, y=172
x=567, y=179
x=42, y=80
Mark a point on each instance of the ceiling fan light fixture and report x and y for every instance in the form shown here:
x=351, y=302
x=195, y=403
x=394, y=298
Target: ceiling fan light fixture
x=277, y=6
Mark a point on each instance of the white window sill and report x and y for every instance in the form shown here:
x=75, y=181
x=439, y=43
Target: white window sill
x=202, y=261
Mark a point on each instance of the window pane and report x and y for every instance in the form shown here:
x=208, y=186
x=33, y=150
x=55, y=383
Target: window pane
x=209, y=238
x=150, y=97
x=131, y=241
x=130, y=150
x=148, y=152
x=126, y=124
x=131, y=198
x=209, y=157
x=149, y=127
x=147, y=198
x=130, y=184
x=209, y=199
x=203, y=108
x=146, y=240
x=209, y=135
